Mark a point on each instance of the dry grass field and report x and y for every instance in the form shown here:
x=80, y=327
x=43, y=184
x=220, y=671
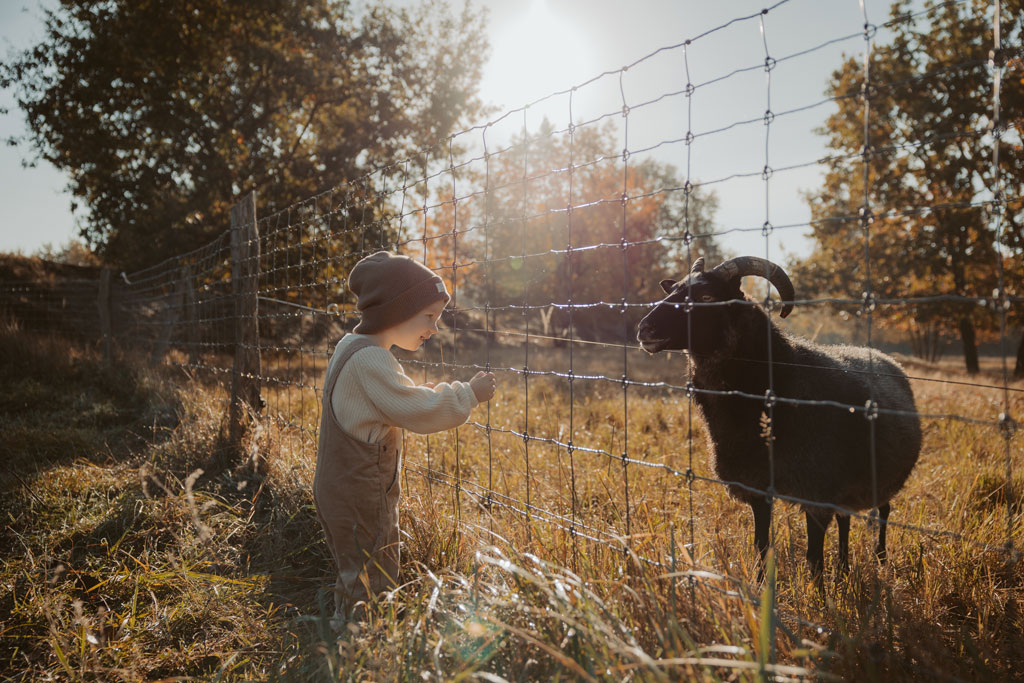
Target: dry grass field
x=135, y=548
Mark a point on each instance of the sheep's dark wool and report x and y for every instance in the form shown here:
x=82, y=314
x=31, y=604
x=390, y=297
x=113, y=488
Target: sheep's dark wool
x=822, y=453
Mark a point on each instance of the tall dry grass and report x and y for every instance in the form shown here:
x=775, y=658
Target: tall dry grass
x=132, y=552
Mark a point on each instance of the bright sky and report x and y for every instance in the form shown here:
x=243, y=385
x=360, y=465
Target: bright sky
x=33, y=206
x=544, y=46
x=539, y=47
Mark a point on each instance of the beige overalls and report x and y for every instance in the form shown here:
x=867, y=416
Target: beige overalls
x=356, y=489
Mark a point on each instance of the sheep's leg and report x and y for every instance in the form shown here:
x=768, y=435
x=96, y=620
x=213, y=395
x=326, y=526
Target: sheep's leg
x=843, y=522
x=883, y=520
x=762, y=510
x=817, y=524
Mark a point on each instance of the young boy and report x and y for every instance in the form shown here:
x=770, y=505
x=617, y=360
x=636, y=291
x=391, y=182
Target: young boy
x=367, y=401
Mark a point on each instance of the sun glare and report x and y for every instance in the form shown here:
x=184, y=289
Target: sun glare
x=538, y=52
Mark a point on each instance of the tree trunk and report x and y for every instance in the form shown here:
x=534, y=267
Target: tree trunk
x=970, y=345
x=1018, y=371
x=926, y=341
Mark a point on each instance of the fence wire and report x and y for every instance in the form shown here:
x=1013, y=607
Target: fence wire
x=546, y=238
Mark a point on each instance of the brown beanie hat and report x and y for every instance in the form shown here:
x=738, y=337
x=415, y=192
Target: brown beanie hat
x=391, y=289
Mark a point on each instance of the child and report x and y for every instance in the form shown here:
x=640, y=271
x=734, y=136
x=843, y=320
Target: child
x=367, y=401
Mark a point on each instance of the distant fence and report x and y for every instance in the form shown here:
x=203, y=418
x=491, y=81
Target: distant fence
x=540, y=296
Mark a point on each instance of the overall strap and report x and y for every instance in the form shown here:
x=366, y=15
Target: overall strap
x=339, y=363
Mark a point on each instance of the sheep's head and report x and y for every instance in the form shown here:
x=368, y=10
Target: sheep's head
x=691, y=302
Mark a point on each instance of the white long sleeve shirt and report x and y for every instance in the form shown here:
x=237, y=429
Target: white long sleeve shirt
x=373, y=393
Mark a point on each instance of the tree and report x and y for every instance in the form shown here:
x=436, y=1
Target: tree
x=925, y=211
x=522, y=209
x=164, y=113
x=72, y=252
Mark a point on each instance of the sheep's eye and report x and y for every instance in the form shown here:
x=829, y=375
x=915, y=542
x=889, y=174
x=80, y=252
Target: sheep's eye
x=707, y=297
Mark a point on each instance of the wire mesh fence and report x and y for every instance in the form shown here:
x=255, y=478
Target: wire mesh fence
x=552, y=225
x=66, y=306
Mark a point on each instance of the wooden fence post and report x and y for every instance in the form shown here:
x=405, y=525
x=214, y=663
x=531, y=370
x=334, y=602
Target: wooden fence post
x=188, y=296
x=170, y=318
x=103, y=303
x=245, y=260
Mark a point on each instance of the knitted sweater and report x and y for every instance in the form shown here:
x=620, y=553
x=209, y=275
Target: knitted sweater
x=373, y=393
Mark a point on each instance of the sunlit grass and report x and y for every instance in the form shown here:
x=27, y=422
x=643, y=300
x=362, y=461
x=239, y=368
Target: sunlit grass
x=122, y=563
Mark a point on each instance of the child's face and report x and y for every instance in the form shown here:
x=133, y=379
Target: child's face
x=411, y=334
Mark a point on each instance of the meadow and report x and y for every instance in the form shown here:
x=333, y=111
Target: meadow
x=137, y=546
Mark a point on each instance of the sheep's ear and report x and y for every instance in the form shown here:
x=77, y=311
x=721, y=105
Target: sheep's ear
x=667, y=285
x=698, y=265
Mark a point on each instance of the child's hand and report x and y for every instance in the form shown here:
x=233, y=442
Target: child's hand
x=483, y=384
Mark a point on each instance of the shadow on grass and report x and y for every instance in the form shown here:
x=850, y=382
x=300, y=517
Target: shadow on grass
x=60, y=402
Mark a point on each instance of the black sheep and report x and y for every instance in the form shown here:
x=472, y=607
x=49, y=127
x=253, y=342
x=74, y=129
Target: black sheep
x=821, y=453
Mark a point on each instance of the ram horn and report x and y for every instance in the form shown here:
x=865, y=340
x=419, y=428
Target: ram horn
x=752, y=265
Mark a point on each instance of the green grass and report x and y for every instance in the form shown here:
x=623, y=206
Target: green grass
x=131, y=552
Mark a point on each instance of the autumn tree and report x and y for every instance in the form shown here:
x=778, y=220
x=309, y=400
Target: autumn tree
x=164, y=113
x=920, y=222
x=527, y=248
x=72, y=252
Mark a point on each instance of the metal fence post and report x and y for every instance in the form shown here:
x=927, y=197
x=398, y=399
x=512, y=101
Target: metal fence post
x=245, y=256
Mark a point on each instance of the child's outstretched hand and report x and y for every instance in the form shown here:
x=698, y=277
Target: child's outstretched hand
x=483, y=384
